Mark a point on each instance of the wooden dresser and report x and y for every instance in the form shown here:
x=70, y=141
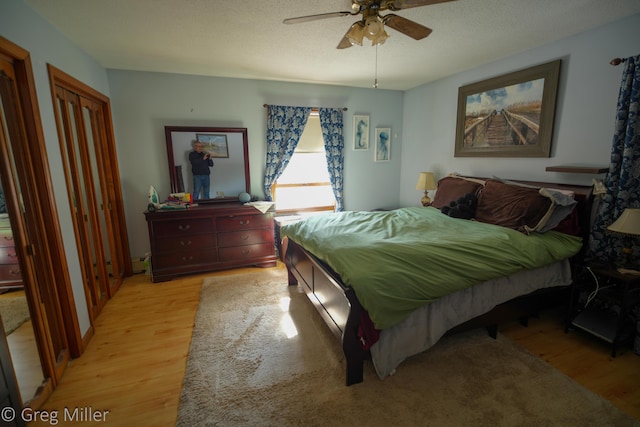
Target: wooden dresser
x=209, y=237
x=10, y=275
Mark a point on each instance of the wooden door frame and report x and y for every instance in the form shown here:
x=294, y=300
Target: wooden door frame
x=109, y=170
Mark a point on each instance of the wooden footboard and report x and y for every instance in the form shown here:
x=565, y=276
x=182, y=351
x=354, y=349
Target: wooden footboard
x=337, y=304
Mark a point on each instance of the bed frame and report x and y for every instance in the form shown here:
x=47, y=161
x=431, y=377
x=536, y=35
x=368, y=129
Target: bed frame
x=339, y=307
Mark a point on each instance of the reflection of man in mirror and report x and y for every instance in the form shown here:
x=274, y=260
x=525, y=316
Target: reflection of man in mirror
x=200, y=164
x=383, y=146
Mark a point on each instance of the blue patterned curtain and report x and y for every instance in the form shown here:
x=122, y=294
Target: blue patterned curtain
x=331, y=125
x=623, y=180
x=284, y=128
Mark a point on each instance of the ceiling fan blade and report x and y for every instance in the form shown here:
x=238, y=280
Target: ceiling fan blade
x=406, y=26
x=407, y=4
x=308, y=18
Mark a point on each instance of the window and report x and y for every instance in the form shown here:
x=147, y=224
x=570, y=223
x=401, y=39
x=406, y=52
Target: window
x=304, y=186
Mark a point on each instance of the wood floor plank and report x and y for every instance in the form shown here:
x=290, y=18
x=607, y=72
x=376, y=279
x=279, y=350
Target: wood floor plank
x=584, y=358
x=135, y=363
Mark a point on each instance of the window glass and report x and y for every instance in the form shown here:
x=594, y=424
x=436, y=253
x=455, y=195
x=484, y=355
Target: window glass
x=305, y=185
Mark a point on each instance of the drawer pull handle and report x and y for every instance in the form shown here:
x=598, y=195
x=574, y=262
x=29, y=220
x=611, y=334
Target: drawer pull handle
x=7, y=237
x=246, y=252
x=184, y=227
x=15, y=272
x=12, y=255
x=245, y=237
x=245, y=222
x=183, y=243
x=190, y=258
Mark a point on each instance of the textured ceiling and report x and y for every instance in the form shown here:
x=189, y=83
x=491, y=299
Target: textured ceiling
x=247, y=39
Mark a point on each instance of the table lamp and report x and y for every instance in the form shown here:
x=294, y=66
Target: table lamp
x=628, y=224
x=426, y=182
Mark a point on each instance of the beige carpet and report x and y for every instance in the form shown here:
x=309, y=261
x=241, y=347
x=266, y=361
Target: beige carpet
x=13, y=311
x=260, y=355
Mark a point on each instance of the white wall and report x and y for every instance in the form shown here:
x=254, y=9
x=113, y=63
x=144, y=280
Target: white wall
x=585, y=112
x=22, y=26
x=143, y=103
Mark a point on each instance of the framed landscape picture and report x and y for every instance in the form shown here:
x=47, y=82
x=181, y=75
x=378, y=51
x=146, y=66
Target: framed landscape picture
x=214, y=144
x=508, y=116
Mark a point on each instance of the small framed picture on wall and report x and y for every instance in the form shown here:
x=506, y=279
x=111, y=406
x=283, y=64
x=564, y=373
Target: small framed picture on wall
x=383, y=144
x=360, y=132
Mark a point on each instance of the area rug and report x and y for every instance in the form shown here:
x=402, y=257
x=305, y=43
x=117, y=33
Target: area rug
x=261, y=356
x=14, y=311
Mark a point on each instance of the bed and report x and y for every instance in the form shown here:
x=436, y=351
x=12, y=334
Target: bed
x=390, y=284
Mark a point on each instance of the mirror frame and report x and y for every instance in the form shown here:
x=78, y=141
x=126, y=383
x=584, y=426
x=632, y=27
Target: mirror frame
x=175, y=187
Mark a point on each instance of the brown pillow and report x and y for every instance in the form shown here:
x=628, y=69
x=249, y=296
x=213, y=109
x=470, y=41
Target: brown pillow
x=451, y=188
x=511, y=206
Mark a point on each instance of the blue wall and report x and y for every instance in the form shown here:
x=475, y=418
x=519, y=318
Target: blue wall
x=143, y=103
x=585, y=112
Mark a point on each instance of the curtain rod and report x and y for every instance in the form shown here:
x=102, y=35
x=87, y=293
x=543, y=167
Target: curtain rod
x=617, y=61
x=312, y=108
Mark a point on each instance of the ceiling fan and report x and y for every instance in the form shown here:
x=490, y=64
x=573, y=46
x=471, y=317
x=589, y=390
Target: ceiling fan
x=372, y=24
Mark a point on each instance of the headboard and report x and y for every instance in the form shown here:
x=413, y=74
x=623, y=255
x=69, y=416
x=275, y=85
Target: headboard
x=579, y=221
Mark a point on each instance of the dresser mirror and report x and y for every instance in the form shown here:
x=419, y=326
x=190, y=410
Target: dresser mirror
x=229, y=150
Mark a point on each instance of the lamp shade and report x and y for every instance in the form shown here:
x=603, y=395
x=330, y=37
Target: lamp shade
x=356, y=33
x=426, y=181
x=627, y=223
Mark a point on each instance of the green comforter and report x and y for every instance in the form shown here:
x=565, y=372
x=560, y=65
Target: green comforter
x=397, y=261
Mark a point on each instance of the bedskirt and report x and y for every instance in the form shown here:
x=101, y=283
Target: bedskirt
x=425, y=326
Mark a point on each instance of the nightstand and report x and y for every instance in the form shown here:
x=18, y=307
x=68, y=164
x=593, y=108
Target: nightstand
x=602, y=299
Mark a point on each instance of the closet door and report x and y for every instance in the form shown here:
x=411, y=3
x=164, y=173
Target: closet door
x=79, y=167
x=83, y=118
x=24, y=174
x=96, y=136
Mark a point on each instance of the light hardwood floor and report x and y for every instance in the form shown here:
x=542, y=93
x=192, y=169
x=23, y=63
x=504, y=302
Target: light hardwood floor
x=134, y=365
x=582, y=357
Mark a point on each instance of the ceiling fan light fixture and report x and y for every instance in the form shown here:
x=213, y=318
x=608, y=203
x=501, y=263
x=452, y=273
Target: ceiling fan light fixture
x=356, y=33
x=379, y=38
x=373, y=27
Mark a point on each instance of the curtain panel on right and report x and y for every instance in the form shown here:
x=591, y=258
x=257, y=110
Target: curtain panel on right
x=623, y=180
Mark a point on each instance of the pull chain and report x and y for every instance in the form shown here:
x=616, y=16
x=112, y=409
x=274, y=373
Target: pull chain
x=375, y=81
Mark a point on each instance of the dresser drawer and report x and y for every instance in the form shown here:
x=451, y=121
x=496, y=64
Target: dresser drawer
x=244, y=222
x=238, y=253
x=6, y=238
x=247, y=237
x=185, y=243
x=10, y=273
x=182, y=227
x=183, y=258
x=8, y=255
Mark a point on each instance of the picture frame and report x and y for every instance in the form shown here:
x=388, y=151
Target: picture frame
x=360, y=132
x=383, y=144
x=510, y=115
x=215, y=144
